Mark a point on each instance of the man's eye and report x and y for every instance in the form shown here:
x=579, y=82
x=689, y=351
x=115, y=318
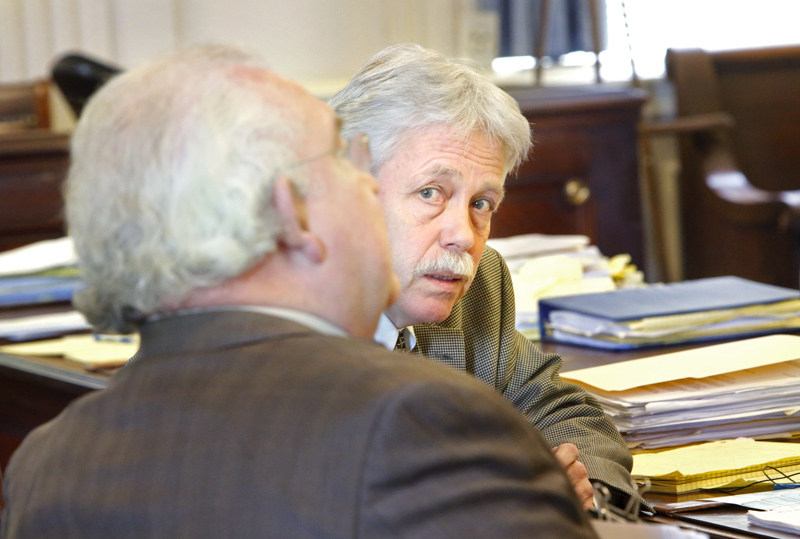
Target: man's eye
x=483, y=205
x=428, y=193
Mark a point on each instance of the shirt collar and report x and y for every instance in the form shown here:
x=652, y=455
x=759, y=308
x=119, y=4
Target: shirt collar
x=387, y=334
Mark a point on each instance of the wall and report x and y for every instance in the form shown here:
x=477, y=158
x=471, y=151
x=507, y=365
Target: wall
x=314, y=41
x=321, y=43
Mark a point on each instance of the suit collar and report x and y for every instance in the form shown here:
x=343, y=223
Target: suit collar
x=212, y=330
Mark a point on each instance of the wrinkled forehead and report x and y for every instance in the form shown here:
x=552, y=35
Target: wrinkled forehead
x=446, y=140
x=446, y=135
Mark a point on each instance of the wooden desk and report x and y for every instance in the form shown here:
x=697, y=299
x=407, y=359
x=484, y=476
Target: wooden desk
x=35, y=390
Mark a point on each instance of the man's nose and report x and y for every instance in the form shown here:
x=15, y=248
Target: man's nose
x=457, y=231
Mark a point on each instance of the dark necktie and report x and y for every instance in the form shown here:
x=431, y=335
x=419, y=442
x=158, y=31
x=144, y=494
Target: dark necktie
x=401, y=341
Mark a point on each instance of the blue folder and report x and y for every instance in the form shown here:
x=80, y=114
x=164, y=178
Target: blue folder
x=19, y=291
x=662, y=300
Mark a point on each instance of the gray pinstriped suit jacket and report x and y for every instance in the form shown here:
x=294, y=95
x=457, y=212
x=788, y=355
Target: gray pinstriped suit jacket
x=239, y=424
x=479, y=337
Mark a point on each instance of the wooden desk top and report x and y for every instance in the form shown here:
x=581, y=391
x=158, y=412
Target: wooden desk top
x=52, y=371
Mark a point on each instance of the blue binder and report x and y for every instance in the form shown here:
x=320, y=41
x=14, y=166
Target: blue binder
x=693, y=296
x=18, y=291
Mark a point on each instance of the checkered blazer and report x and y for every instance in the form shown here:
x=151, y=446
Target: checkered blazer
x=480, y=337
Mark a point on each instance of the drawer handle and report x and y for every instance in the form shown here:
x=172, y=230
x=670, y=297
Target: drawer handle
x=577, y=192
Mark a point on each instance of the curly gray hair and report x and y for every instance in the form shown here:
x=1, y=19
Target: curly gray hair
x=170, y=184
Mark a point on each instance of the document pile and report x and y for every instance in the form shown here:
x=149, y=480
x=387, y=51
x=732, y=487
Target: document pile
x=783, y=520
x=656, y=315
x=743, y=388
x=726, y=464
x=94, y=352
x=544, y=266
x=40, y=273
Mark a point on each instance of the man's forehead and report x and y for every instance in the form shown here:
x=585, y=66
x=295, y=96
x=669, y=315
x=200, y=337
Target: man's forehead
x=446, y=172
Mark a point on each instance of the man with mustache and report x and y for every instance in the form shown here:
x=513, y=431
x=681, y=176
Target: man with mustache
x=443, y=138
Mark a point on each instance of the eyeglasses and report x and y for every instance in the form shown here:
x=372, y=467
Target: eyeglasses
x=357, y=152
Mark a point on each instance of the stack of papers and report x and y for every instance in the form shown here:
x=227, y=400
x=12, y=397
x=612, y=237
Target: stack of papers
x=784, y=520
x=39, y=273
x=742, y=388
x=544, y=266
x=657, y=315
x=38, y=257
x=724, y=464
x=43, y=272
x=26, y=328
x=92, y=351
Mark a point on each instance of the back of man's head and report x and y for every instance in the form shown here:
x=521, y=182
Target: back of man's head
x=406, y=88
x=170, y=184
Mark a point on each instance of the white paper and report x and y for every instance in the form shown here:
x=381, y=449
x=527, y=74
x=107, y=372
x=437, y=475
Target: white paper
x=39, y=256
x=34, y=327
x=785, y=520
x=536, y=244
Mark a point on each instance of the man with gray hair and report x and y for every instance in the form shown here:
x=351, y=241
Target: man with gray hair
x=443, y=138
x=217, y=210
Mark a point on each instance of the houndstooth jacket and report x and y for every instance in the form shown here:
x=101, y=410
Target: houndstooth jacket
x=479, y=337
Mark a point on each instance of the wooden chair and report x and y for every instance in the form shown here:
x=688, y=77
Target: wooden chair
x=24, y=106
x=739, y=138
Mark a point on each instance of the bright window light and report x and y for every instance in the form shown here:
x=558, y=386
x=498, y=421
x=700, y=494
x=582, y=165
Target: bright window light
x=653, y=26
x=512, y=64
x=656, y=25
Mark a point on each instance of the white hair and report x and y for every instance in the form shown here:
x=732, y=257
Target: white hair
x=406, y=88
x=170, y=185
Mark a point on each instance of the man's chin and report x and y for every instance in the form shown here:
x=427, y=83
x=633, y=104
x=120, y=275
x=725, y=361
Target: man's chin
x=422, y=312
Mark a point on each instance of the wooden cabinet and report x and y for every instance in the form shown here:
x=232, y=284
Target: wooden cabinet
x=581, y=178
x=33, y=165
x=583, y=174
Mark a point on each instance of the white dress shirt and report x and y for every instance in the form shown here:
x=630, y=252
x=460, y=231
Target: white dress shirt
x=386, y=334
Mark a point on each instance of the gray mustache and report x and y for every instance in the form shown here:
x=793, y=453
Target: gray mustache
x=458, y=263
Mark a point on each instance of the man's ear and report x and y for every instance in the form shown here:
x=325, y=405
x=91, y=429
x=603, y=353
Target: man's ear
x=295, y=235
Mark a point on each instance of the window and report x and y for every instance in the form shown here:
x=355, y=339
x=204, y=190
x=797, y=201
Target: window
x=655, y=25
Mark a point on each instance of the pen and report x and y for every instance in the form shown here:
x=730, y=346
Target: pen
x=112, y=338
